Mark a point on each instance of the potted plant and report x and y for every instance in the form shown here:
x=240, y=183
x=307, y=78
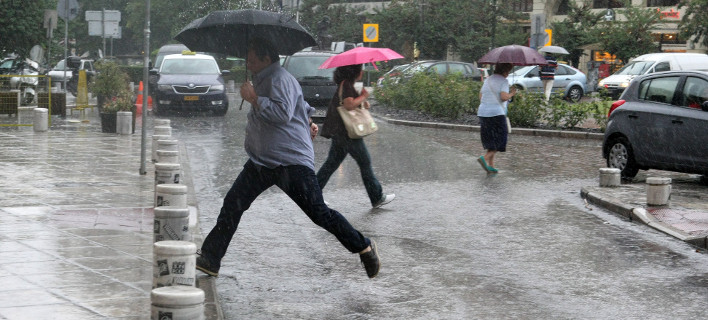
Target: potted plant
x=109, y=82
x=122, y=101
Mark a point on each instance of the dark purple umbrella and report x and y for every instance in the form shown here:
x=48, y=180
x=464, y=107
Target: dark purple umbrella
x=514, y=54
x=229, y=31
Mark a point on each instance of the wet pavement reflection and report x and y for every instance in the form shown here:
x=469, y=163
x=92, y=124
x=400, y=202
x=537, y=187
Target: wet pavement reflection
x=456, y=243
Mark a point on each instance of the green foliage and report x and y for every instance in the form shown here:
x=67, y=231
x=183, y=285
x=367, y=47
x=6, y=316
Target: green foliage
x=123, y=101
x=111, y=79
x=631, y=37
x=575, y=30
x=448, y=96
x=526, y=109
x=598, y=110
x=21, y=25
x=693, y=23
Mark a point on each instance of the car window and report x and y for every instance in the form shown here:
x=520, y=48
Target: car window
x=533, y=73
x=635, y=68
x=438, y=68
x=658, y=89
x=561, y=71
x=662, y=66
x=306, y=67
x=189, y=66
x=694, y=93
x=458, y=68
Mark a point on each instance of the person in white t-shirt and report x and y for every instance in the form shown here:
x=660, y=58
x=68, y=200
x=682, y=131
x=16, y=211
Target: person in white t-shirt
x=492, y=111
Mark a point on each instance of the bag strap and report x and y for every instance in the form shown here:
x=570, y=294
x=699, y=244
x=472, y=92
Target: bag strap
x=341, y=84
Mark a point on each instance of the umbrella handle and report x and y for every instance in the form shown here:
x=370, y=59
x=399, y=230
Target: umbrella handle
x=241, y=106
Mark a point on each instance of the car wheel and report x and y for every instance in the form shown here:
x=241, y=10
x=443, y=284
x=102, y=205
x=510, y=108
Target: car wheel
x=575, y=93
x=221, y=111
x=621, y=156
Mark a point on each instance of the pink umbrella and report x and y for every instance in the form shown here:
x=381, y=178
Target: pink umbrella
x=360, y=55
x=514, y=54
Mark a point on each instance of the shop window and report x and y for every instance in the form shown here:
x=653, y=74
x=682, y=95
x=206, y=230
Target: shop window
x=520, y=5
x=662, y=3
x=604, y=4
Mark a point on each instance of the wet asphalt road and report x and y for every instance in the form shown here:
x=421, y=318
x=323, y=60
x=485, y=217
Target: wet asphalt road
x=455, y=244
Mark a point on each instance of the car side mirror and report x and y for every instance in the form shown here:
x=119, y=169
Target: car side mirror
x=225, y=72
x=704, y=106
x=153, y=72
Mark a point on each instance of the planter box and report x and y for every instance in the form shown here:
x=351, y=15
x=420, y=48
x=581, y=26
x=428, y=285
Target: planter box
x=108, y=122
x=9, y=102
x=58, y=102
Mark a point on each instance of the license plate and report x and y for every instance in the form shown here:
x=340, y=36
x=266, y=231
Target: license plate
x=191, y=98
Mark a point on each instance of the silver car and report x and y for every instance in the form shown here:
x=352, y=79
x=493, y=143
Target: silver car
x=660, y=122
x=568, y=80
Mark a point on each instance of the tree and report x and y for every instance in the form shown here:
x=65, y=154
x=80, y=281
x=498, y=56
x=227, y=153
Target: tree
x=21, y=25
x=576, y=31
x=631, y=37
x=693, y=25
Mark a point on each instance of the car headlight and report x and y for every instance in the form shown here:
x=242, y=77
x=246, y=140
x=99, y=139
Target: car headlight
x=164, y=87
x=218, y=87
x=601, y=83
x=624, y=84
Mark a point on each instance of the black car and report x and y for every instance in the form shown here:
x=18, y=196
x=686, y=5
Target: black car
x=190, y=82
x=660, y=122
x=318, y=85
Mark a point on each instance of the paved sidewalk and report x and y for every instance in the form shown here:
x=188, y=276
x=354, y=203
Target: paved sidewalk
x=76, y=223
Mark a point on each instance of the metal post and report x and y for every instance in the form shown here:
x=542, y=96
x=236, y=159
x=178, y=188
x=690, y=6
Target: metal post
x=146, y=61
x=66, y=40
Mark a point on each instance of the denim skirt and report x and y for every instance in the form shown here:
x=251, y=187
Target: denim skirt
x=494, y=133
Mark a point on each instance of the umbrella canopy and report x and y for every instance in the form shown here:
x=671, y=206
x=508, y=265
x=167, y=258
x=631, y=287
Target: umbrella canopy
x=360, y=55
x=229, y=31
x=514, y=54
x=553, y=49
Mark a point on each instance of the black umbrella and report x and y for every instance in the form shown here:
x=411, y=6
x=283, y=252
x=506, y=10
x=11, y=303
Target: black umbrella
x=229, y=31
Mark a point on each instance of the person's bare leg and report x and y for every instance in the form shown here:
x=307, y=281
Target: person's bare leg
x=489, y=157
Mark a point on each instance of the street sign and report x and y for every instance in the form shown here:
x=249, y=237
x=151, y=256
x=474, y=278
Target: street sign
x=371, y=32
x=110, y=28
x=108, y=15
x=68, y=9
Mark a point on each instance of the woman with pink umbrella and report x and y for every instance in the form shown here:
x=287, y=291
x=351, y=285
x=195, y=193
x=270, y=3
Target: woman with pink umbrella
x=349, y=70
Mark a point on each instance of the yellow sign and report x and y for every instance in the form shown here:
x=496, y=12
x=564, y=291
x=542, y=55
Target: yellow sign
x=549, y=32
x=371, y=32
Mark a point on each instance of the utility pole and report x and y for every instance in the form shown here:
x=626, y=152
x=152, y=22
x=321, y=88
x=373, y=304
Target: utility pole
x=146, y=76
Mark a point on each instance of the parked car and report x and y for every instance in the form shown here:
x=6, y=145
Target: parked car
x=468, y=70
x=660, y=122
x=57, y=73
x=568, y=80
x=190, y=81
x=394, y=72
x=649, y=63
x=318, y=85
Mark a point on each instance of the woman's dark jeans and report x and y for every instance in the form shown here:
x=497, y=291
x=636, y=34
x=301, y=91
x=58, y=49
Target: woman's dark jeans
x=300, y=184
x=341, y=146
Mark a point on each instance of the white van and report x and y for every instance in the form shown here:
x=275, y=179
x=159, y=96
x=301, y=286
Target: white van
x=649, y=63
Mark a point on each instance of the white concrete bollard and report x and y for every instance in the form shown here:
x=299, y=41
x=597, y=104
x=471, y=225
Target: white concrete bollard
x=161, y=122
x=610, y=177
x=171, y=195
x=41, y=120
x=167, y=173
x=171, y=223
x=175, y=263
x=164, y=156
x=658, y=191
x=124, y=122
x=177, y=303
x=162, y=131
x=155, y=139
x=168, y=144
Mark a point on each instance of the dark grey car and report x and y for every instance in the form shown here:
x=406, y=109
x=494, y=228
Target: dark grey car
x=660, y=122
x=318, y=85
